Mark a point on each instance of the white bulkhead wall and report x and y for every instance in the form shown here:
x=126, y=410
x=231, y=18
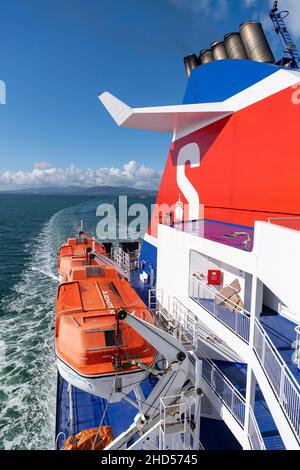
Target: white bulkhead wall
x=277, y=253
x=275, y=260
x=200, y=264
x=173, y=264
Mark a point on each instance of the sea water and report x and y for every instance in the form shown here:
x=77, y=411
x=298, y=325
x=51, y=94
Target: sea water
x=32, y=229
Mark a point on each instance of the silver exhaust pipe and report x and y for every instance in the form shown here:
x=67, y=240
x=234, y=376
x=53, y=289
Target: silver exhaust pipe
x=256, y=43
x=218, y=50
x=234, y=46
x=190, y=63
x=205, y=56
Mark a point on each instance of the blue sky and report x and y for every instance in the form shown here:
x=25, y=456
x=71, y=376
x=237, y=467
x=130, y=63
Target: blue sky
x=57, y=55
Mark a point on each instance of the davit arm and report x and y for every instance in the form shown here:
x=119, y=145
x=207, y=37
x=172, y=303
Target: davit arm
x=177, y=375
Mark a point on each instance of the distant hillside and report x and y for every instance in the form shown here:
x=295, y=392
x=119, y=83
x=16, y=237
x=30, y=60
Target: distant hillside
x=80, y=191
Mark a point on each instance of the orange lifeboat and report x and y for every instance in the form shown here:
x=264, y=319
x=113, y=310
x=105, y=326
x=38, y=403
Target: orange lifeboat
x=78, y=252
x=95, y=352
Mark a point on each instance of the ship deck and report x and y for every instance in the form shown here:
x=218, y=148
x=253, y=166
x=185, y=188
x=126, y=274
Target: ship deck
x=237, y=236
x=282, y=333
x=78, y=410
x=280, y=329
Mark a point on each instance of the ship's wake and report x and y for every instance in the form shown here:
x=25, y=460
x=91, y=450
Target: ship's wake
x=47, y=274
x=27, y=367
x=27, y=362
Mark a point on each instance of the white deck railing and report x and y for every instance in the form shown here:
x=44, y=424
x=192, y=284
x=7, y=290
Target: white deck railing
x=279, y=375
x=284, y=384
x=122, y=259
x=155, y=299
x=232, y=315
x=184, y=324
x=185, y=327
x=297, y=346
x=224, y=389
x=254, y=434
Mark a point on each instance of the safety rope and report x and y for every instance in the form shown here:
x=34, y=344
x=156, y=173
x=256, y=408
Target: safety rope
x=104, y=413
x=144, y=403
x=71, y=417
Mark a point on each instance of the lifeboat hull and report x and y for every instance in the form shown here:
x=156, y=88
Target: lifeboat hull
x=104, y=386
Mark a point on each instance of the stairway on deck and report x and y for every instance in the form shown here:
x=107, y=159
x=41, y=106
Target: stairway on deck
x=282, y=333
x=237, y=374
x=266, y=423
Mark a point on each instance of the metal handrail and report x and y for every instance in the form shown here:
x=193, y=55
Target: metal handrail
x=122, y=259
x=201, y=446
x=281, y=379
x=230, y=384
x=254, y=434
x=199, y=329
x=110, y=262
x=220, y=385
x=297, y=346
x=239, y=313
x=221, y=296
x=187, y=329
x=234, y=401
x=276, y=353
x=283, y=383
x=278, y=373
x=155, y=298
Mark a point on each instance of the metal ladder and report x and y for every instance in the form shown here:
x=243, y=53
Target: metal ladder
x=179, y=423
x=290, y=54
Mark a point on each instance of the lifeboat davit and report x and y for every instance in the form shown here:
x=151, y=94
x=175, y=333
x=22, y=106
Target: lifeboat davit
x=95, y=352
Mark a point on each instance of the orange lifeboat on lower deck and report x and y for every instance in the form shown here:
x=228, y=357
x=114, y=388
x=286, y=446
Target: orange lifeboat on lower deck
x=78, y=252
x=93, y=349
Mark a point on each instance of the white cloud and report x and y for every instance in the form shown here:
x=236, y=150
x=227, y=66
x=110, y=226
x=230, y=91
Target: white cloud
x=215, y=9
x=43, y=165
x=249, y=3
x=131, y=174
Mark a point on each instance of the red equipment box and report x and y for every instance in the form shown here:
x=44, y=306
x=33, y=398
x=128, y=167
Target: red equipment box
x=214, y=277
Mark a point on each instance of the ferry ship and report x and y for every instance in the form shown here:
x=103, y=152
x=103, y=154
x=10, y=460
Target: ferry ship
x=210, y=310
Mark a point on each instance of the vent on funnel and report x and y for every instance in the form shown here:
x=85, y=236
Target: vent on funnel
x=235, y=47
x=190, y=62
x=255, y=42
x=205, y=56
x=218, y=50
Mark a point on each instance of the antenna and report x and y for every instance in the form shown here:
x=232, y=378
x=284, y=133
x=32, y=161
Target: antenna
x=290, y=56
